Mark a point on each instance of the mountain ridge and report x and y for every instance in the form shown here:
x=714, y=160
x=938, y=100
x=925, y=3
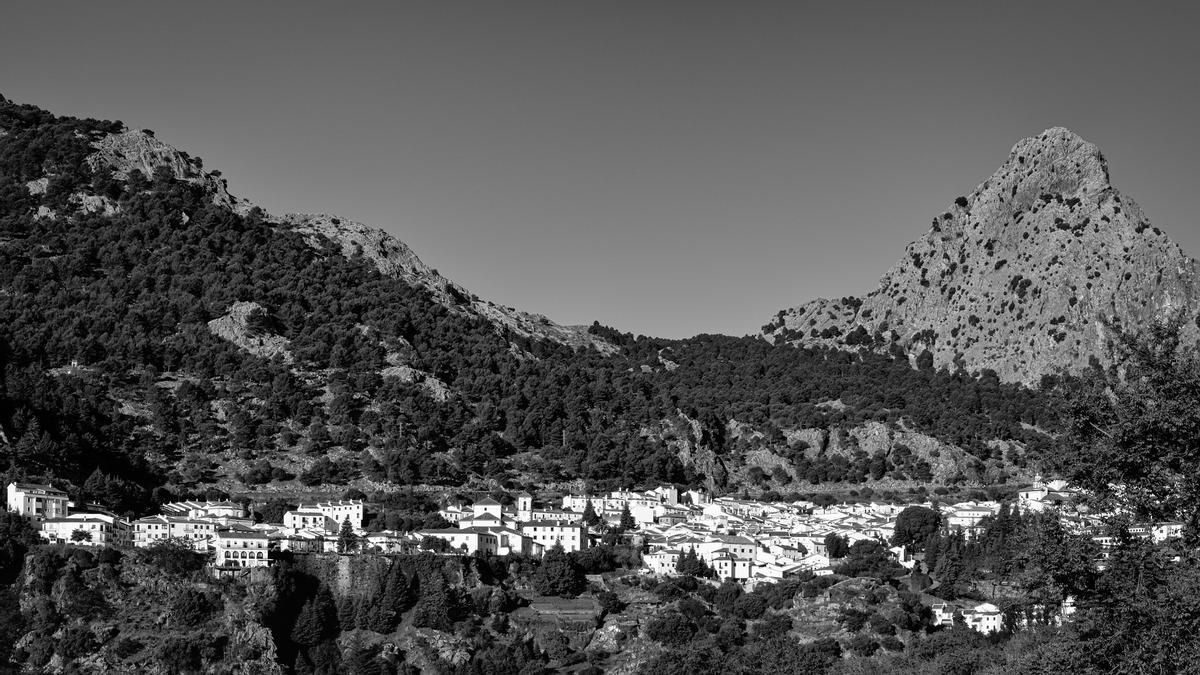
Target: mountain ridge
x=137, y=149
x=1022, y=276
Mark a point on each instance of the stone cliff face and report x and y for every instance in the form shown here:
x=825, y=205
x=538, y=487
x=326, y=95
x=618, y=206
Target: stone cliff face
x=1020, y=275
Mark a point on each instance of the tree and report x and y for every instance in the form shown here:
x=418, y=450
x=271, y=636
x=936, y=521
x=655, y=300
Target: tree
x=692, y=565
x=317, y=621
x=589, y=515
x=836, y=546
x=671, y=629
x=559, y=574
x=392, y=602
x=1133, y=432
x=347, y=541
x=869, y=558
x=80, y=535
x=914, y=526
x=433, y=606
x=627, y=522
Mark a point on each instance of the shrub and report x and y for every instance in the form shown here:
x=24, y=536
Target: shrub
x=750, y=606
x=193, y=607
x=670, y=629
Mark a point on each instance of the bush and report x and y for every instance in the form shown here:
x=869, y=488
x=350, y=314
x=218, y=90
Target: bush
x=609, y=602
x=670, y=629
x=174, y=557
x=193, y=607
x=750, y=606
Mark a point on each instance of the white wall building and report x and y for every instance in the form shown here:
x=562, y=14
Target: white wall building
x=306, y=520
x=466, y=540
x=102, y=530
x=241, y=549
x=338, y=511
x=152, y=529
x=37, y=502
x=572, y=535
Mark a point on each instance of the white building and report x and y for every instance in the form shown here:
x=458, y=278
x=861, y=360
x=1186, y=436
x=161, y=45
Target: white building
x=983, y=618
x=153, y=529
x=37, y=502
x=206, y=509
x=729, y=566
x=571, y=535
x=338, y=511
x=305, y=520
x=100, y=529
x=662, y=561
x=468, y=540
x=241, y=549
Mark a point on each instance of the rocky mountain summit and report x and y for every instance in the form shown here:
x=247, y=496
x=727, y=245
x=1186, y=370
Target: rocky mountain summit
x=1020, y=277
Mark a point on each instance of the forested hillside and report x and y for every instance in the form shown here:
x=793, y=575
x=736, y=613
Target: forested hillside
x=153, y=335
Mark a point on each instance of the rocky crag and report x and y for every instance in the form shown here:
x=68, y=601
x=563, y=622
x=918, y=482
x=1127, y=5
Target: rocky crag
x=1024, y=276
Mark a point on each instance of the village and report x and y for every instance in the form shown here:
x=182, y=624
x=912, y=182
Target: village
x=745, y=540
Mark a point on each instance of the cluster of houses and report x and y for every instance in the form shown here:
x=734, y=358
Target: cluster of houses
x=223, y=528
x=740, y=539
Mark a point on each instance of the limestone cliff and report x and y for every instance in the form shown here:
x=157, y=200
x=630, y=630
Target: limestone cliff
x=1020, y=275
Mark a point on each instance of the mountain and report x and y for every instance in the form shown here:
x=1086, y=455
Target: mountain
x=1019, y=277
x=139, y=150
x=160, y=335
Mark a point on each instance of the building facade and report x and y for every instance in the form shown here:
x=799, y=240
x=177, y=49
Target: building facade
x=37, y=502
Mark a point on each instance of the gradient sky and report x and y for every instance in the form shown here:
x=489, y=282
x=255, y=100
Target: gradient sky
x=666, y=168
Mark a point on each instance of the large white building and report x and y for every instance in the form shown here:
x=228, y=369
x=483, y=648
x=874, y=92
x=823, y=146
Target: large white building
x=37, y=502
x=306, y=520
x=99, y=530
x=207, y=509
x=983, y=618
x=572, y=535
x=241, y=549
x=467, y=540
x=337, y=512
x=153, y=529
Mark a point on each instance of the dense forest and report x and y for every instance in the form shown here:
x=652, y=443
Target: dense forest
x=155, y=398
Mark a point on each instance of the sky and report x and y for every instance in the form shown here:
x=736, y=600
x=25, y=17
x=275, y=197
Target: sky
x=664, y=168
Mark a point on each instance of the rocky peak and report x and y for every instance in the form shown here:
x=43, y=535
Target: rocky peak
x=1016, y=276
x=138, y=149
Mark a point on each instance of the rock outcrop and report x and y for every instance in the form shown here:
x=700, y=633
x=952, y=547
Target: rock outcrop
x=1020, y=276
x=238, y=326
x=138, y=149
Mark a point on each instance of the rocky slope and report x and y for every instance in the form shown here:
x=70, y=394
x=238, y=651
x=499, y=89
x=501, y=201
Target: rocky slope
x=139, y=150
x=1020, y=276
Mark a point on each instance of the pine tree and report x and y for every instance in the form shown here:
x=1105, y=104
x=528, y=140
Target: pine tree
x=432, y=610
x=627, y=521
x=307, y=630
x=347, y=542
x=93, y=487
x=589, y=515
x=393, y=601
